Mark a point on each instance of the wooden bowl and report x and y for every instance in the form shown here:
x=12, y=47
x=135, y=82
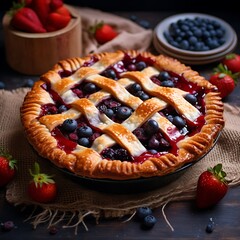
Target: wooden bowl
x=36, y=53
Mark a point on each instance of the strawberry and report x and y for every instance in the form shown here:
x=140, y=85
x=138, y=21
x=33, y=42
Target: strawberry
x=224, y=80
x=7, y=168
x=42, y=188
x=211, y=187
x=42, y=9
x=56, y=21
x=55, y=4
x=63, y=11
x=232, y=61
x=103, y=32
x=25, y=19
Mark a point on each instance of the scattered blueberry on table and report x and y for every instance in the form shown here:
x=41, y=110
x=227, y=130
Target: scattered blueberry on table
x=142, y=212
x=197, y=34
x=28, y=83
x=2, y=85
x=7, y=226
x=141, y=22
x=148, y=222
x=210, y=226
x=146, y=218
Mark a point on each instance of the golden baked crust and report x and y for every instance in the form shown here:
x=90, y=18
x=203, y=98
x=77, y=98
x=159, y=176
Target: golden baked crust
x=88, y=162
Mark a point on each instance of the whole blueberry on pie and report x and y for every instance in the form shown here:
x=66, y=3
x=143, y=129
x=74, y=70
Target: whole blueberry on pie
x=122, y=115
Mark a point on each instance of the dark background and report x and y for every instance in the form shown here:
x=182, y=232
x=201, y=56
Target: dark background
x=149, y=5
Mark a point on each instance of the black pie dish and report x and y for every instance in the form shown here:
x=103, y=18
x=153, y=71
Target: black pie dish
x=133, y=185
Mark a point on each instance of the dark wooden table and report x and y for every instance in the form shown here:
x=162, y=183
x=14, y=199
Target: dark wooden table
x=187, y=221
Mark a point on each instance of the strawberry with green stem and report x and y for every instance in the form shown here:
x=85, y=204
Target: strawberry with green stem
x=224, y=80
x=25, y=19
x=212, y=186
x=232, y=62
x=8, y=167
x=103, y=32
x=42, y=188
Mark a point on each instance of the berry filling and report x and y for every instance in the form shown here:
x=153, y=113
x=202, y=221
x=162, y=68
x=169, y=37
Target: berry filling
x=79, y=131
x=115, y=110
x=72, y=132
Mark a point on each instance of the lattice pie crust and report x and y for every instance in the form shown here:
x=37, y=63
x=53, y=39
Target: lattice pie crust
x=40, y=124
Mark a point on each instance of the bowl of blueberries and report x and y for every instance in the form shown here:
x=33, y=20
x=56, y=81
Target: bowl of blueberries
x=194, y=38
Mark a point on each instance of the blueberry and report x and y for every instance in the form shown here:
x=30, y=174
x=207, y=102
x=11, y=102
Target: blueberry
x=184, y=27
x=140, y=65
x=144, y=23
x=84, y=131
x=149, y=221
x=133, y=18
x=185, y=33
x=123, y=113
x=153, y=143
x=151, y=126
x=135, y=87
x=163, y=76
x=140, y=134
x=110, y=73
x=191, y=98
x=90, y=88
x=28, y=83
x=167, y=83
x=142, y=95
x=109, y=112
x=184, y=44
x=2, y=85
x=210, y=226
x=192, y=40
x=62, y=108
x=178, y=122
x=84, y=141
x=69, y=125
x=7, y=226
x=142, y=212
x=197, y=33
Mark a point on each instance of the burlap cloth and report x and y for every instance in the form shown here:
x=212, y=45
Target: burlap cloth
x=131, y=35
x=74, y=201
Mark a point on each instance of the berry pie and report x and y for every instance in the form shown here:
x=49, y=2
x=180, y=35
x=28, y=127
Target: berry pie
x=122, y=115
